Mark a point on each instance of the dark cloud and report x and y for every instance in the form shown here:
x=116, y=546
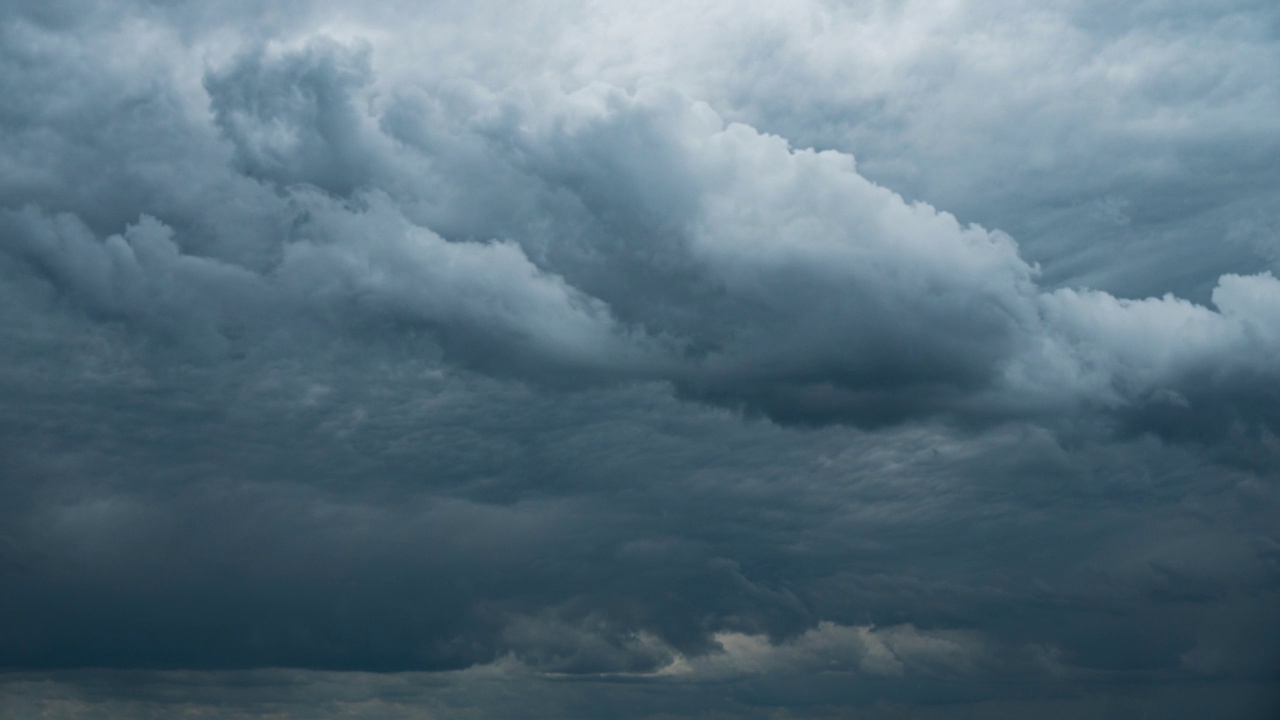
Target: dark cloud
x=496, y=361
x=294, y=120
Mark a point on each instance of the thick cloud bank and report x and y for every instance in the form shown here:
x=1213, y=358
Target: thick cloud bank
x=601, y=232
x=633, y=358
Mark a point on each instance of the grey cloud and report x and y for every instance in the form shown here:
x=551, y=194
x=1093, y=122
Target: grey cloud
x=1026, y=120
x=294, y=120
x=535, y=350
x=487, y=692
x=784, y=281
x=561, y=551
x=139, y=274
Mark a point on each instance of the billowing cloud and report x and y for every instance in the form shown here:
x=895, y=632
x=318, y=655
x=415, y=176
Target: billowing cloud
x=823, y=359
x=641, y=236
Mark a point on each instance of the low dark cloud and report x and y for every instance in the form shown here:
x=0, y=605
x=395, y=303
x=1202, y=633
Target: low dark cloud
x=487, y=361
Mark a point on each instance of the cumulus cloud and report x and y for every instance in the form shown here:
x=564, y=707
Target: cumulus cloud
x=639, y=235
x=392, y=338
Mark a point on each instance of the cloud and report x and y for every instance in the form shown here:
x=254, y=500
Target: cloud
x=294, y=120
x=650, y=239
x=829, y=647
x=812, y=360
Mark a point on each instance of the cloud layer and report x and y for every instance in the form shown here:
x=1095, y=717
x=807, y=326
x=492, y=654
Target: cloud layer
x=632, y=234
x=815, y=358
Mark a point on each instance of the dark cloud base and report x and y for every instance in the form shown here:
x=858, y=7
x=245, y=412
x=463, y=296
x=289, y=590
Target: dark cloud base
x=501, y=692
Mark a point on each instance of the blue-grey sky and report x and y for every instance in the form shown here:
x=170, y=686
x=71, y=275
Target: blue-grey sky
x=695, y=359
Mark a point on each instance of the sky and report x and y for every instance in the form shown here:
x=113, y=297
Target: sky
x=590, y=359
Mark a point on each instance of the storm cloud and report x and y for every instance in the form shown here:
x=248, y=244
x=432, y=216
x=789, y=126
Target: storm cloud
x=816, y=359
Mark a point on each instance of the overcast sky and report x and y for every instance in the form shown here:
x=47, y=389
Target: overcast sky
x=664, y=359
